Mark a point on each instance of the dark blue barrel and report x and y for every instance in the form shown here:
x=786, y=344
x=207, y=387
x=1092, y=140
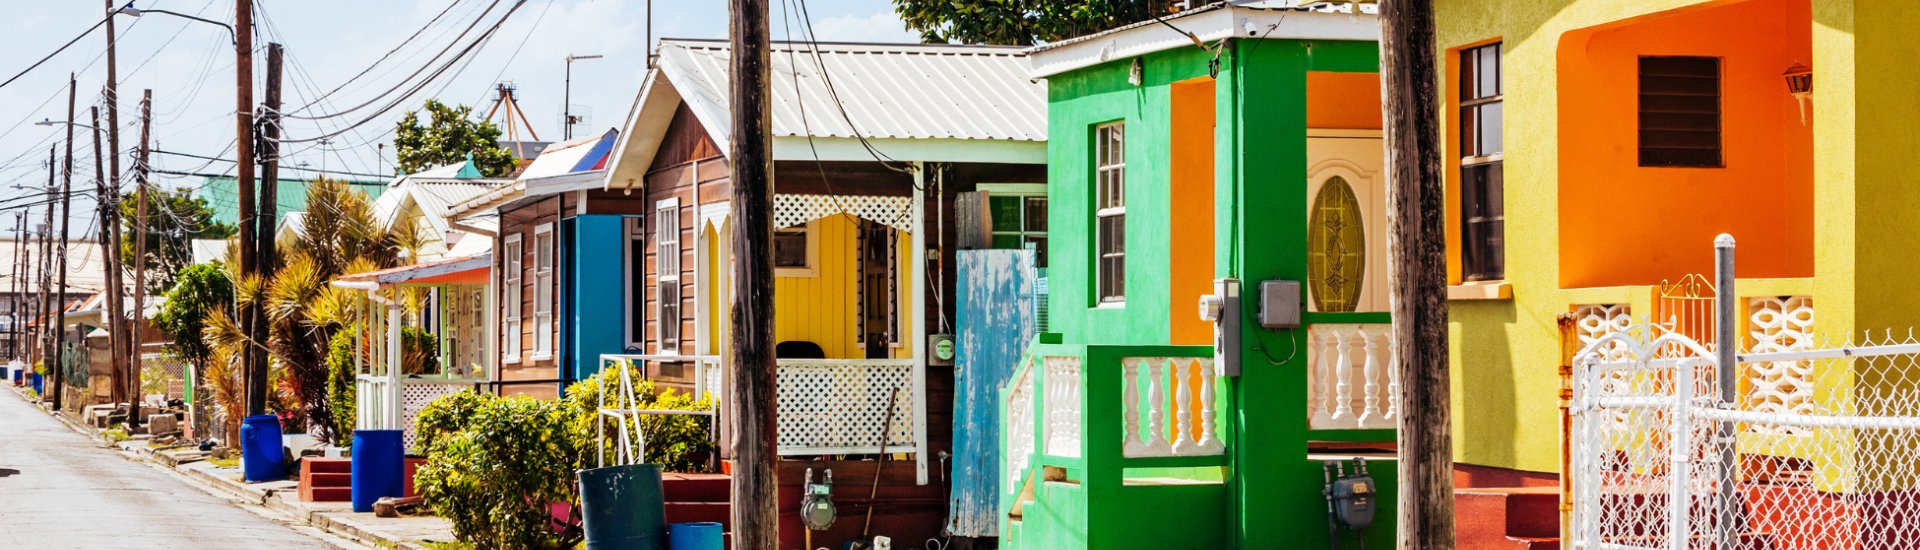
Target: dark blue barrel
x=38, y=388
x=699, y=535
x=379, y=466
x=261, y=456
x=623, y=507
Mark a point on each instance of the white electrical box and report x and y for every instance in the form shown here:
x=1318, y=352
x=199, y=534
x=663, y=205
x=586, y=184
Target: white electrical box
x=1280, y=304
x=1222, y=308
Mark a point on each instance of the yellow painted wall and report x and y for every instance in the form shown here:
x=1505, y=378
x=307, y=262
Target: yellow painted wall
x=824, y=308
x=1504, y=352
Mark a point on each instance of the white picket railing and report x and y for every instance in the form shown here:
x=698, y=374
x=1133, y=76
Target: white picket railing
x=1352, y=384
x=371, y=408
x=1061, y=383
x=1171, y=387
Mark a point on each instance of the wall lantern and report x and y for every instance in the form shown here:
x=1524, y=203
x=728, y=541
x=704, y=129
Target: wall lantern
x=1800, y=86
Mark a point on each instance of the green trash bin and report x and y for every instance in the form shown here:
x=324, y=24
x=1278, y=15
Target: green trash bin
x=623, y=507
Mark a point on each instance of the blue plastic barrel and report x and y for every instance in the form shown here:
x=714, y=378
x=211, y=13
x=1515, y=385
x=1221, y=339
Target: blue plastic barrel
x=38, y=387
x=699, y=535
x=623, y=507
x=379, y=466
x=262, y=458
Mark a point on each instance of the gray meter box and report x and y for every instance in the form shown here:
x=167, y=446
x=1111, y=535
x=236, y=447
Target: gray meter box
x=1280, y=304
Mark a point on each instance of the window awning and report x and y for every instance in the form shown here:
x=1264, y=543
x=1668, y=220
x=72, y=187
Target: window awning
x=795, y=210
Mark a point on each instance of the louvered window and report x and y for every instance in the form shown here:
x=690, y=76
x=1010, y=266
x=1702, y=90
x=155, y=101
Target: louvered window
x=1680, y=112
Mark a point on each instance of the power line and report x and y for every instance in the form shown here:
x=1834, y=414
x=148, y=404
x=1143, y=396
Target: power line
x=63, y=47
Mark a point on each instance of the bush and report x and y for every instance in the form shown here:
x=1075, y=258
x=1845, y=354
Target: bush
x=493, y=463
x=493, y=476
x=341, y=385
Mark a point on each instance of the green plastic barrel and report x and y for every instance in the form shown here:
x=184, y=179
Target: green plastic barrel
x=623, y=507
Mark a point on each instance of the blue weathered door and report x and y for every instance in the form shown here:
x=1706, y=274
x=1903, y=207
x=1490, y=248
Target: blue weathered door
x=994, y=309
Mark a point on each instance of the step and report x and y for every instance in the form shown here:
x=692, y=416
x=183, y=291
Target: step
x=327, y=494
x=682, y=512
x=326, y=465
x=326, y=480
x=1506, y=517
x=696, y=487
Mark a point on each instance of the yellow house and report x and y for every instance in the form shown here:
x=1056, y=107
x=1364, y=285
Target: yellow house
x=1595, y=148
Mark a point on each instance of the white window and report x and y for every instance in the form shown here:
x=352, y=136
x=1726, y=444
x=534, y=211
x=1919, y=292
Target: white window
x=795, y=251
x=543, y=291
x=1019, y=213
x=1110, y=216
x=510, y=306
x=667, y=273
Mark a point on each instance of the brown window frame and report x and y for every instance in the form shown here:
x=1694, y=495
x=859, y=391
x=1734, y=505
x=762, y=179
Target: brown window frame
x=1482, y=189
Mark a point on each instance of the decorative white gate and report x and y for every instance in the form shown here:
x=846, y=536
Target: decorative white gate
x=1654, y=445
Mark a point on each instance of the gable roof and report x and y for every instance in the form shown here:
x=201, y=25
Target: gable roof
x=914, y=102
x=1272, y=19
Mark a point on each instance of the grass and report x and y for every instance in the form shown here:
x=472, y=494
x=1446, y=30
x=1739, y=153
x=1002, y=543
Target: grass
x=229, y=462
x=115, y=434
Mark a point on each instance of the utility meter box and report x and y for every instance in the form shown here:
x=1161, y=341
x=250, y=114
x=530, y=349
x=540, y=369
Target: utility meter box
x=1222, y=308
x=1280, y=304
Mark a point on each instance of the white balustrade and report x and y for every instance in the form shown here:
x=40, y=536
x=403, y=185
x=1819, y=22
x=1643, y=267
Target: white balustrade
x=1019, y=431
x=1346, y=358
x=841, y=406
x=1176, y=383
x=1060, y=382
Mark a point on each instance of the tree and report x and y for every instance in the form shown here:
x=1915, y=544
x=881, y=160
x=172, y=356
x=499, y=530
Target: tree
x=200, y=291
x=450, y=136
x=1022, y=22
x=174, y=220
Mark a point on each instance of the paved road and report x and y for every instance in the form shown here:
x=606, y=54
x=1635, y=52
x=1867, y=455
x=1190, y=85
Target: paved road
x=60, y=490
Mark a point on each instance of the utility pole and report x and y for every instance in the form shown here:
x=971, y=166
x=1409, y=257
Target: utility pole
x=140, y=234
x=44, y=264
x=254, y=359
x=15, y=288
x=754, y=521
x=269, y=151
x=110, y=249
x=566, y=96
x=1416, y=203
x=124, y=361
x=59, y=307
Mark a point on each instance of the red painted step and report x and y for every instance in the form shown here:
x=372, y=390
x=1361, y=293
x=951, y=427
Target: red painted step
x=328, y=494
x=683, y=512
x=326, y=465
x=696, y=487
x=1507, y=517
x=326, y=480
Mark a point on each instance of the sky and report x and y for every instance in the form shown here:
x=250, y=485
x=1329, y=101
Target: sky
x=190, y=68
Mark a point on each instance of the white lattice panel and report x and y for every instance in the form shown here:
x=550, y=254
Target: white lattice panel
x=414, y=397
x=1594, y=322
x=837, y=407
x=1060, y=383
x=794, y=210
x=1777, y=324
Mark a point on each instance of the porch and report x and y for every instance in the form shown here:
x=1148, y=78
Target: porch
x=422, y=334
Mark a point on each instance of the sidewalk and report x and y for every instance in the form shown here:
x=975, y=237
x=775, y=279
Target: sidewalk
x=283, y=497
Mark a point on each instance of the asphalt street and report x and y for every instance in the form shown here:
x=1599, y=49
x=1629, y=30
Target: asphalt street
x=58, y=489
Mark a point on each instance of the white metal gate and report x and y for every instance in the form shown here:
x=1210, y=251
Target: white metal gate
x=1653, y=445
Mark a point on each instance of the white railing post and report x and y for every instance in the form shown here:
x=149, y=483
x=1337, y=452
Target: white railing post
x=1370, y=417
x=1320, y=388
x=1130, y=406
x=1342, y=380
x=1679, y=501
x=1393, y=379
x=1182, y=405
x=1062, y=382
x=1210, y=443
x=1156, y=407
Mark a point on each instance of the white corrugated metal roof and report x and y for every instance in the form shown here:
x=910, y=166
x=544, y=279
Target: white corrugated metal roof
x=1271, y=19
x=886, y=90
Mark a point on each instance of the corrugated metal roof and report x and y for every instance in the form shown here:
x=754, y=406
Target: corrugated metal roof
x=886, y=90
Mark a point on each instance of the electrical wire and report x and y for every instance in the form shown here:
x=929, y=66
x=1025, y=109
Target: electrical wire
x=376, y=63
x=63, y=47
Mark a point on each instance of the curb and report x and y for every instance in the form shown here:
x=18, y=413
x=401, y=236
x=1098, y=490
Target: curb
x=269, y=498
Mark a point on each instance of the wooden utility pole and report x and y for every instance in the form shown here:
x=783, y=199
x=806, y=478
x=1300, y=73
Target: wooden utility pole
x=141, y=170
x=1419, y=277
x=269, y=164
x=59, y=307
x=254, y=359
x=14, y=289
x=124, y=361
x=114, y=312
x=44, y=263
x=755, y=525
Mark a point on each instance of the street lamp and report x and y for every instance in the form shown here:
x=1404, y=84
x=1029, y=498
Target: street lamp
x=130, y=11
x=567, y=97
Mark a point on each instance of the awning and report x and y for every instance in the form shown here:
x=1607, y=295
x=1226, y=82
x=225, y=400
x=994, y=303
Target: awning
x=469, y=270
x=795, y=210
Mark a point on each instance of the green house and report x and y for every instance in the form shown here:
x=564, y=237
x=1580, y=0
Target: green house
x=1234, y=141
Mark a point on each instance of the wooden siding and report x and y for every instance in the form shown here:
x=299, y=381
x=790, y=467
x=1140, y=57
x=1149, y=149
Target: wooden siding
x=824, y=308
x=521, y=220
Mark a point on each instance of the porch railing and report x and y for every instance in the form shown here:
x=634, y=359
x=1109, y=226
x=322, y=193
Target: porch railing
x=1352, y=384
x=1163, y=390
x=1137, y=403
x=1019, y=432
x=841, y=406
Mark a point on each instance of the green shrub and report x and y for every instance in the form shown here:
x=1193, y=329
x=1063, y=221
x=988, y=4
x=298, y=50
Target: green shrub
x=341, y=385
x=493, y=475
x=678, y=443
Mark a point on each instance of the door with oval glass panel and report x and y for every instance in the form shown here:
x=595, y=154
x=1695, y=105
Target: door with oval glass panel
x=1346, y=221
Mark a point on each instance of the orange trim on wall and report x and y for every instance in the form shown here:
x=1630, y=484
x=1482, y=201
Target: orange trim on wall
x=1348, y=101
x=1450, y=152
x=1190, y=273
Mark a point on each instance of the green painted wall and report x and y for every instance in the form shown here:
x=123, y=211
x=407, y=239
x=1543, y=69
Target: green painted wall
x=1273, y=494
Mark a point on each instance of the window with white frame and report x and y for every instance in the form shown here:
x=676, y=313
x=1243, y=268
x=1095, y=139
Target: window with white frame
x=1019, y=214
x=510, y=306
x=1110, y=214
x=795, y=250
x=667, y=273
x=543, y=261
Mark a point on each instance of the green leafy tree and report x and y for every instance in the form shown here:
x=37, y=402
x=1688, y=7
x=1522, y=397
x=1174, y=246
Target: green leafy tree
x=449, y=136
x=1022, y=22
x=174, y=220
x=202, y=290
